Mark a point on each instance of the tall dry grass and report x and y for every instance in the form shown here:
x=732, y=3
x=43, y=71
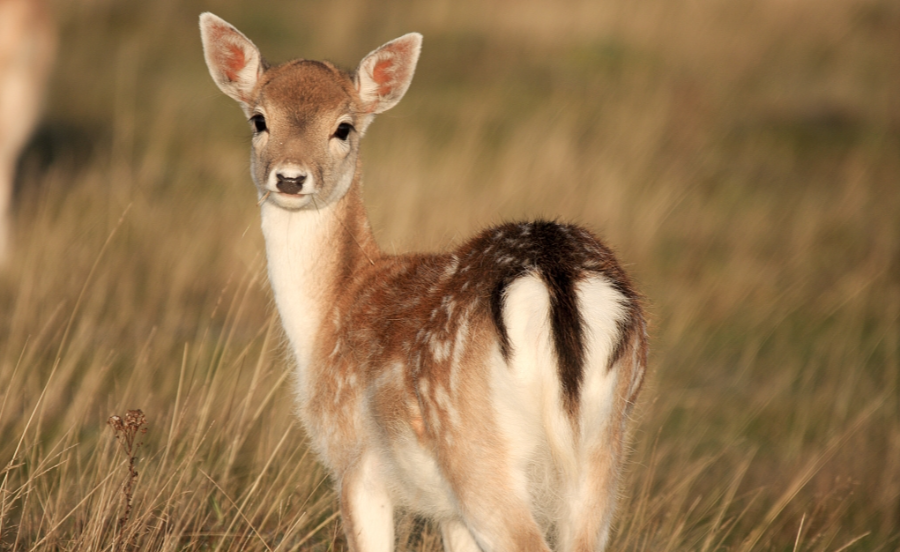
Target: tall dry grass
x=742, y=157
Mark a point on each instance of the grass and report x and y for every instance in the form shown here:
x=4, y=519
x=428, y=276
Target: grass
x=742, y=157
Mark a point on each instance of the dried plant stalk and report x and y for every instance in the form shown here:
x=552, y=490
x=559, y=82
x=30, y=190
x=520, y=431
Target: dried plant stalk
x=127, y=431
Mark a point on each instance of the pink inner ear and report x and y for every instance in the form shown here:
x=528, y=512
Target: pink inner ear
x=234, y=62
x=229, y=56
x=381, y=74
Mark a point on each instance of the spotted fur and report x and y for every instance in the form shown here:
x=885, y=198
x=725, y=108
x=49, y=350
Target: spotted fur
x=487, y=388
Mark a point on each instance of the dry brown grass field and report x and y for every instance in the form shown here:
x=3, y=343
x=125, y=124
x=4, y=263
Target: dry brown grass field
x=742, y=157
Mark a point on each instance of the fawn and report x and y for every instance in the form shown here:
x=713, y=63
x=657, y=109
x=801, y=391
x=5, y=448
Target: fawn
x=27, y=49
x=487, y=389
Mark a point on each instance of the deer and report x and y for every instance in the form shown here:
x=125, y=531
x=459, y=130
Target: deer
x=27, y=49
x=488, y=388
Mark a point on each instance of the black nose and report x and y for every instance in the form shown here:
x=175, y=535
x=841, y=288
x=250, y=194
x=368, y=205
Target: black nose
x=290, y=184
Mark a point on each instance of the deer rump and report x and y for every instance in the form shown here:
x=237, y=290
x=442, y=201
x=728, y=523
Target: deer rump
x=514, y=358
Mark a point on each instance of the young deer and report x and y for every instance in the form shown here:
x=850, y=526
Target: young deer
x=487, y=389
x=27, y=47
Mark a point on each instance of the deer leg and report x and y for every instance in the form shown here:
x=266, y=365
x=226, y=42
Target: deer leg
x=366, y=507
x=590, y=497
x=502, y=525
x=493, y=501
x=457, y=537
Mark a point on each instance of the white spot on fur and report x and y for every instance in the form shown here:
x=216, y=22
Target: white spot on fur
x=440, y=349
x=451, y=267
x=448, y=304
x=459, y=349
x=336, y=350
x=442, y=399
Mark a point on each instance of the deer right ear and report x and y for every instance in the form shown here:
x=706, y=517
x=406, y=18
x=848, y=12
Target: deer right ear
x=384, y=75
x=234, y=62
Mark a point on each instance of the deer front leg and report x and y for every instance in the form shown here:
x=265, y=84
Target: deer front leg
x=457, y=537
x=366, y=507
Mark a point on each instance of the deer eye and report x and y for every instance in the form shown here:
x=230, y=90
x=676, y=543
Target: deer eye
x=259, y=123
x=343, y=131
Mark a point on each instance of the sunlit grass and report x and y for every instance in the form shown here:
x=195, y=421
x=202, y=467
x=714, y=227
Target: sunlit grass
x=742, y=159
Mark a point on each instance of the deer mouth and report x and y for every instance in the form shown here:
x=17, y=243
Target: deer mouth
x=289, y=201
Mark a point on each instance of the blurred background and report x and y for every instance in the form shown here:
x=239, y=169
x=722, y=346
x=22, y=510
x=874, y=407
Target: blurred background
x=742, y=158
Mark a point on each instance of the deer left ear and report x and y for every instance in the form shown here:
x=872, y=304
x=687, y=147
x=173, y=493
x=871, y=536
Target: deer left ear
x=383, y=76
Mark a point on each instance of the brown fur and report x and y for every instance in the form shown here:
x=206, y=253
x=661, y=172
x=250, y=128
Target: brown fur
x=398, y=355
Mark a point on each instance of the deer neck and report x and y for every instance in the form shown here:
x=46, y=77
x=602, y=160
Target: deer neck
x=312, y=256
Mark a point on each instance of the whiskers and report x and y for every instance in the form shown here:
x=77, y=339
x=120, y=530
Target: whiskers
x=264, y=198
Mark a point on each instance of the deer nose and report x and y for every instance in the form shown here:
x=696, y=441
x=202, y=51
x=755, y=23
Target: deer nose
x=290, y=184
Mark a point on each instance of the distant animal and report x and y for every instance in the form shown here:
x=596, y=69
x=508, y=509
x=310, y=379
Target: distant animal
x=27, y=49
x=488, y=388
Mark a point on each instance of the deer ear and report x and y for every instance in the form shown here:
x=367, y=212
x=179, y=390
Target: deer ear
x=384, y=75
x=234, y=62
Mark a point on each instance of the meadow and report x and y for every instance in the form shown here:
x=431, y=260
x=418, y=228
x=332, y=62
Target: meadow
x=742, y=158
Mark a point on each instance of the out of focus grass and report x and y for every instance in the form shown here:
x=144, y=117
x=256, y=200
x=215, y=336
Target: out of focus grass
x=742, y=157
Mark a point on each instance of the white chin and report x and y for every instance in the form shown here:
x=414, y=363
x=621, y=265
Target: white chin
x=291, y=201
